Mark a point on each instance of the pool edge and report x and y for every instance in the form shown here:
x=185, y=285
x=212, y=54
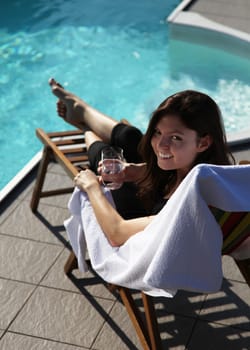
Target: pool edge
x=20, y=176
x=238, y=138
x=184, y=24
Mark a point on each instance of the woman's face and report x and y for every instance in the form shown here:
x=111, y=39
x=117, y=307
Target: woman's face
x=176, y=146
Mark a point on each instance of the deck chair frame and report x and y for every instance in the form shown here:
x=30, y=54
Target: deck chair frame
x=69, y=150
x=66, y=148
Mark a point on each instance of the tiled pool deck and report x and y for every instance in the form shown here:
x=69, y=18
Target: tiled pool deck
x=41, y=308
x=230, y=13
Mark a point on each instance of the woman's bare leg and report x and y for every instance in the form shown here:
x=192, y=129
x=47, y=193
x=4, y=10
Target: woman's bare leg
x=78, y=113
x=90, y=138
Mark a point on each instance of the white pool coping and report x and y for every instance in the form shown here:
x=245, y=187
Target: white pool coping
x=237, y=138
x=185, y=25
x=20, y=176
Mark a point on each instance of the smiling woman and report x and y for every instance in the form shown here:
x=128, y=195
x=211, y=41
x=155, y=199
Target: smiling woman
x=176, y=146
x=185, y=130
x=74, y=43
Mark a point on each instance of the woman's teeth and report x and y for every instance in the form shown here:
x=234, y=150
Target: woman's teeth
x=166, y=156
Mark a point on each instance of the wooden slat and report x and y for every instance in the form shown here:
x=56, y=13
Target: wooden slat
x=60, y=157
x=77, y=159
x=75, y=150
x=56, y=192
x=69, y=142
x=64, y=133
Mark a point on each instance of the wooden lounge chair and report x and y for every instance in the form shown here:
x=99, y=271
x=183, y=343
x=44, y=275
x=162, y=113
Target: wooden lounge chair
x=68, y=149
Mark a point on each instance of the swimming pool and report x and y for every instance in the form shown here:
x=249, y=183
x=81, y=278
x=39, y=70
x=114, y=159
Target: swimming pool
x=115, y=54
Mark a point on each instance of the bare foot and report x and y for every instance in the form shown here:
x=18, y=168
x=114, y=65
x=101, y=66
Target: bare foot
x=69, y=107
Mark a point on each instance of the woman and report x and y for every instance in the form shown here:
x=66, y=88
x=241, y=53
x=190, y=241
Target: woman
x=100, y=131
x=186, y=129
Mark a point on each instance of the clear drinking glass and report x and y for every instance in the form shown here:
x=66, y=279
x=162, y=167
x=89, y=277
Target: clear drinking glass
x=112, y=163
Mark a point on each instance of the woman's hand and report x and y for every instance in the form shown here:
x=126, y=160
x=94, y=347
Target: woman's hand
x=86, y=180
x=116, y=229
x=131, y=172
x=112, y=176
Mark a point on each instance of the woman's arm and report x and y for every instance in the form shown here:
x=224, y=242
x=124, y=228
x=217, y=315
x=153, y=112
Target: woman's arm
x=116, y=229
x=132, y=172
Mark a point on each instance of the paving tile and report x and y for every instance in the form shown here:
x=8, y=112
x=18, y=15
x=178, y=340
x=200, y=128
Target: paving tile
x=62, y=316
x=87, y=283
x=230, y=269
x=234, y=22
x=57, y=169
x=118, y=332
x=184, y=303
x=20, y=191
x=12, y=341
x=46, y=226
x=242, y=155
x=219, y=8
x=1, y=333
x=24, y=192
x=230, y=306
x=212, y=336
x=174, y=330
x=25, y=260
x=12, y=297
x=55, y=181
x=7, y=210
x=26, y=185
x=233, y=14
x=60, y=201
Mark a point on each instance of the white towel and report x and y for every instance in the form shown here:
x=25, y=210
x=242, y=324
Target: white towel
x=180, y=248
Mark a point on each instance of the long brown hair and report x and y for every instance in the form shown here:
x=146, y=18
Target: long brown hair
x=198, y=112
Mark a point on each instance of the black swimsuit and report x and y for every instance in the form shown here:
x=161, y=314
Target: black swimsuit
x=126, y=200
x=159, y=205
x=127, y=137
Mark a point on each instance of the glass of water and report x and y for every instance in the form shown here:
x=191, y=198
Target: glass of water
x=112, y=163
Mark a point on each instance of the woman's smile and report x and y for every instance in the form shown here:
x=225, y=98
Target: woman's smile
x=175, y=145
x=165, y=155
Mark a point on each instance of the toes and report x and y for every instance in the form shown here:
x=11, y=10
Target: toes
x=57, y=88
x=58, y=91
x=61, y=109
x=52, y=81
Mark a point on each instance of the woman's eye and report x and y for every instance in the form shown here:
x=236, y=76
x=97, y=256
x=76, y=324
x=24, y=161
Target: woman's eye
x=176, y=138
x=157, y=132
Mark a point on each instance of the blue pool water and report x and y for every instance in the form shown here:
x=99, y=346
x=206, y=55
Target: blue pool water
x=115, y=54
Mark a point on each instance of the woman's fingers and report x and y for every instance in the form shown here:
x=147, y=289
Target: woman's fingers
x=85, y=179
